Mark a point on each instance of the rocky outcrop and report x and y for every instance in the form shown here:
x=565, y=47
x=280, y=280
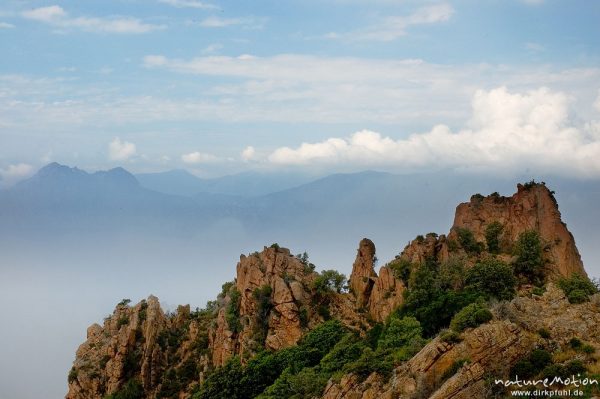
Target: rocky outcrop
x=489, y=350
x=363, y=274
x=532, y=207
x=379, y=294
x=287, y=282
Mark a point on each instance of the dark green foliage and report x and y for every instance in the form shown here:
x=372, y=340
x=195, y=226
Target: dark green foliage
x=303, y=316
x=544, y=333
x=453, y=369
x=492, y=278
x=232, y=312
x=400, y=332
x=234, y=381
x=452, y=273
x=143, y=310
x=467, y=241
x=262, y=296
x=532, y=365
x=492, y=236
x=539, y=291
x=275, y=246
x=529, y=262
x=347, y=350
x=575, y=343
x=374, y=334
x=123, y=320
x=369, y=362
x=306, y=384
x=577, y=288
x=177, y=379
x=124, y=302
x=420, y=239
x=132, y=363
x=572, y=368
x=430, y=302
x=401, y=269
x=308, y=267
x=588, y=349
x=470, y=316
x=223, y=383
x=72, y=374
x=131, y=390
x=330, y=281
x=450, y=336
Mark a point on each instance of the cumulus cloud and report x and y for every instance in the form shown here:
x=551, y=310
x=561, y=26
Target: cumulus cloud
x=6, y=25
x=120, y=150
x=188, y=4
x=597, y=102
x=392, y=27
x=13, y=173
x=507, y=132
x=198, y=157
x=56, y=16
x=248, y=154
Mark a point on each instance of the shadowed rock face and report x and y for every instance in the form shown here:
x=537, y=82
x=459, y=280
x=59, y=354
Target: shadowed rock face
x=272, y=303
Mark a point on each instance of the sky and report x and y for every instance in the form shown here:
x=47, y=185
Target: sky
x=220, y=87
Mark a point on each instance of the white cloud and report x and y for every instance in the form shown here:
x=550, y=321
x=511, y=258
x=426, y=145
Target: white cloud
x=57, y=16
x=507, y=132
x=13, y=173
x=392, y=27
x=198, y=157
x=248, y=154
x=120, y=150
x=218, y=22
x=6, y=25
x=188, y=4
x=597, y=102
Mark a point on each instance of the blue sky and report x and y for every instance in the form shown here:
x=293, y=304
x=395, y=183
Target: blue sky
x=330, y=85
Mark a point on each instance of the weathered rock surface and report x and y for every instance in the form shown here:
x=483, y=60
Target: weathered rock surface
x=363, y=274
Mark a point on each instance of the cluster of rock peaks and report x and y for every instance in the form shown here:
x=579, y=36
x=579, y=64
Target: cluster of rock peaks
x=273, y=303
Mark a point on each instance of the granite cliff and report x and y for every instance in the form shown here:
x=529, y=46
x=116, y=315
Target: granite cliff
x=282, y=329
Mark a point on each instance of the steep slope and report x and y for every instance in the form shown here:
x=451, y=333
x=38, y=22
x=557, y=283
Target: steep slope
x=244, y=341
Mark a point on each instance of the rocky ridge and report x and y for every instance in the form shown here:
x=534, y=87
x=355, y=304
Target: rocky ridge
x=273, y=303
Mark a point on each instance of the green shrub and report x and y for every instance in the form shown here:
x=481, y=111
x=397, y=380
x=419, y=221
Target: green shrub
x=575, y=343
x=123, y=320
x=400, y=332
x=588, y=349
x=544, y=333
x=453, y=369
x=537, y=361
x=577, y=288
x=529, y=262
x=262, y=296
x=450, y=336
x=467, y=241
x=347, y=350
x=492, y=278
x=452, y=273
x=401, y=269
x=539, y=291
x=470, y=316
x=232, y=312
x=275, y=246
x=492, y=236
x=124, y=302
x=73, y=373
x=330, y=281
x=306, y=384
x=370, y=362
x=131, y=390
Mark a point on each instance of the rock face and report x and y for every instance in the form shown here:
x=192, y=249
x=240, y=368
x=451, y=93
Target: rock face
x=288, y=281
x=532, y=207
x=380, y=294
x=489, y=350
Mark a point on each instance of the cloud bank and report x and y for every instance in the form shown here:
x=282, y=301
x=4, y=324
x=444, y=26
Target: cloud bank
x=507, y=132
x=56, y=16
